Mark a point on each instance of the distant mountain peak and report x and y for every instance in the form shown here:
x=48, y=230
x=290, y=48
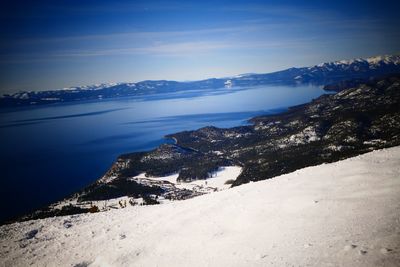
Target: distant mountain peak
x=375, y=60
x=96, y=86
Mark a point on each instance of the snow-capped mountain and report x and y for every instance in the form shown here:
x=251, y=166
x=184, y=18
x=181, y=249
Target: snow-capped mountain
x=321, y=74
x=92, y=87
x=376, y=65
x=373, y=62
x=330, y=72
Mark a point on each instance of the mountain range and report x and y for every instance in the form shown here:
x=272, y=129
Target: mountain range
x=321, y=74
x=356, y=120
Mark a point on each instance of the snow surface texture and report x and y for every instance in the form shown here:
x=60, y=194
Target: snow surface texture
x=340, y=214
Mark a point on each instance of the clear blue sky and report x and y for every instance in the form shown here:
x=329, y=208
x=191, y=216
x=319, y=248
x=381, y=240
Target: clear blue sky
x=55, y=44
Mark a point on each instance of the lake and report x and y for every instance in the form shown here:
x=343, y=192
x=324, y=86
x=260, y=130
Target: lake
x=48, y=152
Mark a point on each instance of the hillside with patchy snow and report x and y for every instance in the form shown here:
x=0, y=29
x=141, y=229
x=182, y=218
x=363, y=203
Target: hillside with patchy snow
x=338, y=214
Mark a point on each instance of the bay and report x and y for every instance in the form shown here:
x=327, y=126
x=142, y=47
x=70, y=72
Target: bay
x=49, y=152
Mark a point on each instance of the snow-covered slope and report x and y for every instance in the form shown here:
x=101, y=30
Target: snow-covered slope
x=340, y=214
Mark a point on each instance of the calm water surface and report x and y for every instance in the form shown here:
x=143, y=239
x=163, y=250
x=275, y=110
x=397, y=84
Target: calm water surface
x=49, y=152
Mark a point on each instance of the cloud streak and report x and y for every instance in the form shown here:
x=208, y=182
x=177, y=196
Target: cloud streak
x=250, y=34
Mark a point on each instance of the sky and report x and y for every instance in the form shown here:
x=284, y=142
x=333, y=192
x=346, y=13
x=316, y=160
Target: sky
x=56, y=44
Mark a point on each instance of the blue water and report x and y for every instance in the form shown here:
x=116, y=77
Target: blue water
x=49, y=152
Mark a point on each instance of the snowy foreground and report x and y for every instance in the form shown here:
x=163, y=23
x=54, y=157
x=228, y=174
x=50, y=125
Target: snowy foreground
x=341, y=214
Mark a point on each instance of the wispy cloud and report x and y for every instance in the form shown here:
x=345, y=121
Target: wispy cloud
x=247, y=26
x=166, y=49
x=256, y=33
x=177, y=48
